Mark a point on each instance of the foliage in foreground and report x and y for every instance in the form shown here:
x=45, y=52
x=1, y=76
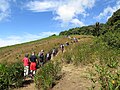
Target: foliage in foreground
x=11, y=75
x=47, y=75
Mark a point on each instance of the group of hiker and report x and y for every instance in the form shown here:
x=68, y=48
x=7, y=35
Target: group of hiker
x=33, y=62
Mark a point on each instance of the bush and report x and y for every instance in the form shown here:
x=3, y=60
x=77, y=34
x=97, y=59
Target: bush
x=109, y=79
x=67, y=57
x=78, y=53
x=107, y=69
x=47, y=75
x=112, y=39
x=82, y=54
x=11, y=75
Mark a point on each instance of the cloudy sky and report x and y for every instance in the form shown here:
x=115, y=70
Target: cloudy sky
x=27, y=20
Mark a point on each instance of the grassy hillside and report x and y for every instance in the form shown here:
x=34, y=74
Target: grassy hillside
x=17, y=52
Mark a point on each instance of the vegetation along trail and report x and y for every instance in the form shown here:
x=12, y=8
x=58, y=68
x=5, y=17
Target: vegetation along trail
x=72, y=77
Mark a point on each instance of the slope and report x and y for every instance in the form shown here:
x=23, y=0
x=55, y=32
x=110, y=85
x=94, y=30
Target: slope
x=16, y=52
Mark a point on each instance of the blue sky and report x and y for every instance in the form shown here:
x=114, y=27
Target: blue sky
x=27, y=20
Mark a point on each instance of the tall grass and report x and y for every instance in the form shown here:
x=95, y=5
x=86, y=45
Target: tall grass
x=11, y=75
x=47, y=75
x=79, y=53
x=107, y=69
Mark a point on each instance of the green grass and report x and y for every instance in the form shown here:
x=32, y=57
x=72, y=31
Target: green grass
x=11, y=75
x=47, y=75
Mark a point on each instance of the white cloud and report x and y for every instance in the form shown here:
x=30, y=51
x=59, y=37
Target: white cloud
x=66, y=11
x=107, y=12
x=26, y=37
x=38, y=6
x=4, y=9
x=77, y=22
x=9, y=41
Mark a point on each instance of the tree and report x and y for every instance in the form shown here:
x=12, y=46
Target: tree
x=96, y=31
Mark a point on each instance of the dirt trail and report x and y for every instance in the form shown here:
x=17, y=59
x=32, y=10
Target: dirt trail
x=28, y=85
x=74, y=78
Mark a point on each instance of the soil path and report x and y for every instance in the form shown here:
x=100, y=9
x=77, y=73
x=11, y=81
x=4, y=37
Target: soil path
x=74, y=78
x=28, y=85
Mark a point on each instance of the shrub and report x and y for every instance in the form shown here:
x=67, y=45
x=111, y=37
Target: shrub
x=107, y=69
x=106, y=54
x=47, y=75
x=112, y=39
x=109, y=79
x=79, y=53
x=82, y=54
x=11, y=75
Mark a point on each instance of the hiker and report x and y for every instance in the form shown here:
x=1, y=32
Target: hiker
x=26, y=65
x=62, y=47
x=41, y=58
x=48, y=56
x=54, y=52
x=75, y=39
x=69, y=37
x=33, y=64
x=67, y=43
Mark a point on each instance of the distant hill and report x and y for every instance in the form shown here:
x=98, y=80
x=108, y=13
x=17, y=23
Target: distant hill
x=112, y=23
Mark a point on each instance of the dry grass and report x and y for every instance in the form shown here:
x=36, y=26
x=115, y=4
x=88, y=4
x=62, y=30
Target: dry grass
x=16, y=52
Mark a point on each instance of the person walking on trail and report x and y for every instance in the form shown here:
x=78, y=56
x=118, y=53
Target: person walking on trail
x=75, y=39
x=62, y=47
x=26, y=65
x=67, y=43
x=41, y=58
x=48, y=56
x=33, y=64
x=54, y=52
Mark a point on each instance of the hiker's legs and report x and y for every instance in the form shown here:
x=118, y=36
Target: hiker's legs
x=27, y=70
x=24, y=71
x=31, y=69
x=31, y=73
